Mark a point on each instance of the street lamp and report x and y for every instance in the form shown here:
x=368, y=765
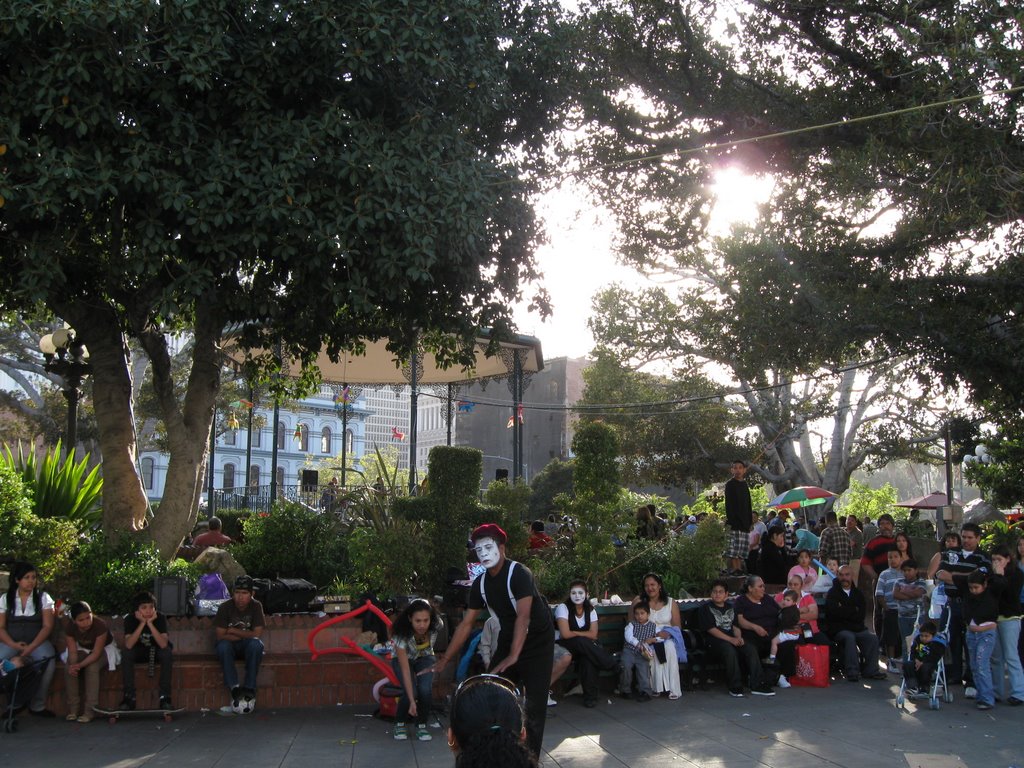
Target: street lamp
x=68, y=358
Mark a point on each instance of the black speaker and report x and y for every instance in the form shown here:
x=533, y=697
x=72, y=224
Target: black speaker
x=501, y=474
x=310, y=480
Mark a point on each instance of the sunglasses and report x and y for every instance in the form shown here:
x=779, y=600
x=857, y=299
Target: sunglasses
x=489, y=679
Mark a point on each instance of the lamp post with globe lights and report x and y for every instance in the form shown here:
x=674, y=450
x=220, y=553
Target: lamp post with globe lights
x=67, y=357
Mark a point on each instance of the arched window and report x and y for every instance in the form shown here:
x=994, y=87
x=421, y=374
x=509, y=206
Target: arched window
x=254, y=476
x=229, y=477
x=349, y=442
x=304, y=438
x=147, y=474
x=280, y=435
x=257, y=434
x=325, y=440
x=280, y=478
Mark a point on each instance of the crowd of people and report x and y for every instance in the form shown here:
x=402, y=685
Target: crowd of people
x=28, y=618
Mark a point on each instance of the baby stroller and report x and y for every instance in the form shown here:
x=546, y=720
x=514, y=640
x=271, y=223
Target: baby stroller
x=19, y=683
x=938, y=685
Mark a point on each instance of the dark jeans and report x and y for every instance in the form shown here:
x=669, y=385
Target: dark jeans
x=532, y=673
x=140, y=653
x=858, y=651
x=918, y=678
x=422, y=686
x=959, y=667
x=250, y=649
x=729, y=655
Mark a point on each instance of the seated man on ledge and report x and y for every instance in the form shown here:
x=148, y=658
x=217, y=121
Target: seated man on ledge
x=213, y=536
x=239, y=624
x=844, y=613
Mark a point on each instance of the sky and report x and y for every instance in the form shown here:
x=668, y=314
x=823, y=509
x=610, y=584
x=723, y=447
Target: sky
x=579, y=258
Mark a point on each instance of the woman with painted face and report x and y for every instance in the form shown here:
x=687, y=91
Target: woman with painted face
x=576, y=623
x=526, y=638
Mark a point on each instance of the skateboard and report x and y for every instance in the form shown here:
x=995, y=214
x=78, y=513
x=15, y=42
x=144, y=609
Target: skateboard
x=114, y=714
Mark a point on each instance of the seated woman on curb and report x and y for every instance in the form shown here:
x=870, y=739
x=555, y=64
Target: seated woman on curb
x=576, y=622
x=488, y=726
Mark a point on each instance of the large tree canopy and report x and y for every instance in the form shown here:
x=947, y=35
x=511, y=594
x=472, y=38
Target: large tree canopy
x=313, y=172
x=684, y=88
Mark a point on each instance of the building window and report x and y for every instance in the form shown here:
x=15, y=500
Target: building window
x=256, y=437
x=254, y=476
x=147, y=474
x=325, y=440
x=303, y=438
x=229, y=477
x=229, y=437
x=280, y=435
x=349, y=442
x=280, y=478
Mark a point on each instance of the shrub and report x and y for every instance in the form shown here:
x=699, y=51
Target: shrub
x=47, y=543
x=391, y=559
x=295, y=542
x=696, y=560
x=108, y=572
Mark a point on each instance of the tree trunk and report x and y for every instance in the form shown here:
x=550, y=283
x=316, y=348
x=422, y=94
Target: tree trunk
x=124, y=498
x=188, y=425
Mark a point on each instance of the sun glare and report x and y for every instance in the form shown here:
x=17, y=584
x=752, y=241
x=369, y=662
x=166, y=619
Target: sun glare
x=737, y=196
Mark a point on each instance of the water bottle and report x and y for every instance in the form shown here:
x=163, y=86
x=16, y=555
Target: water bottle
x=938, y=602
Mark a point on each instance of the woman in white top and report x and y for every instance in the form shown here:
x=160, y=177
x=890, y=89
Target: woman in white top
x=26, y=621
x=576, y=622
x=664, y=613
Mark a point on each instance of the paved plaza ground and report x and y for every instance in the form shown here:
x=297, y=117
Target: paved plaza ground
x=851, y=725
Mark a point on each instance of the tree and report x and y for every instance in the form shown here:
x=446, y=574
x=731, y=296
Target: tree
x=894, y=138
x=875, y=411
x=554, y=479
x=305, y=173
x=671, y=430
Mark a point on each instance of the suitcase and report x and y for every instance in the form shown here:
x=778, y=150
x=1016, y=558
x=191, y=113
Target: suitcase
x=287, y=595
x=172, y=597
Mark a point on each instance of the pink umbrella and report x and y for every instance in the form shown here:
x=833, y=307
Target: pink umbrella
x=931, y=501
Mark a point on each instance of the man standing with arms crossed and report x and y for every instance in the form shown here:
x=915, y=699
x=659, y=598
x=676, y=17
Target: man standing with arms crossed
x=526, y=639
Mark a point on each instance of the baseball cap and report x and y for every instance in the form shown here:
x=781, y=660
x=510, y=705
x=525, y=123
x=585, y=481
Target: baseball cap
x=244, y=583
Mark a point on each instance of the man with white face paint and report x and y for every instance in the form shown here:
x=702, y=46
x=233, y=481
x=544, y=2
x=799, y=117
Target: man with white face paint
x=526, y=639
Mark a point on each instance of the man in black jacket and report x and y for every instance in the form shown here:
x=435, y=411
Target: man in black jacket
x=844, y=613
x=738, y=517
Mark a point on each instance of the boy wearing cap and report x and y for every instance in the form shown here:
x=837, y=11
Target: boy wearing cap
x=239, y=624
x=526, y=638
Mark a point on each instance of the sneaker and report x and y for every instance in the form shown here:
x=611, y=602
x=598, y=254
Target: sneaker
x=763, y=690
x=589, y=702
x=551, y=700
x=576, y=690
x=970, y=692
x=400, y=733
x=422, y=734
x=643, y=697
x=165, y=703
x=784, y=683
x=736, y=694
x=85, y=718
x=983, y=705
x=41, y=713
x=1013, y=701
x=72, y=717
x=893, y=668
